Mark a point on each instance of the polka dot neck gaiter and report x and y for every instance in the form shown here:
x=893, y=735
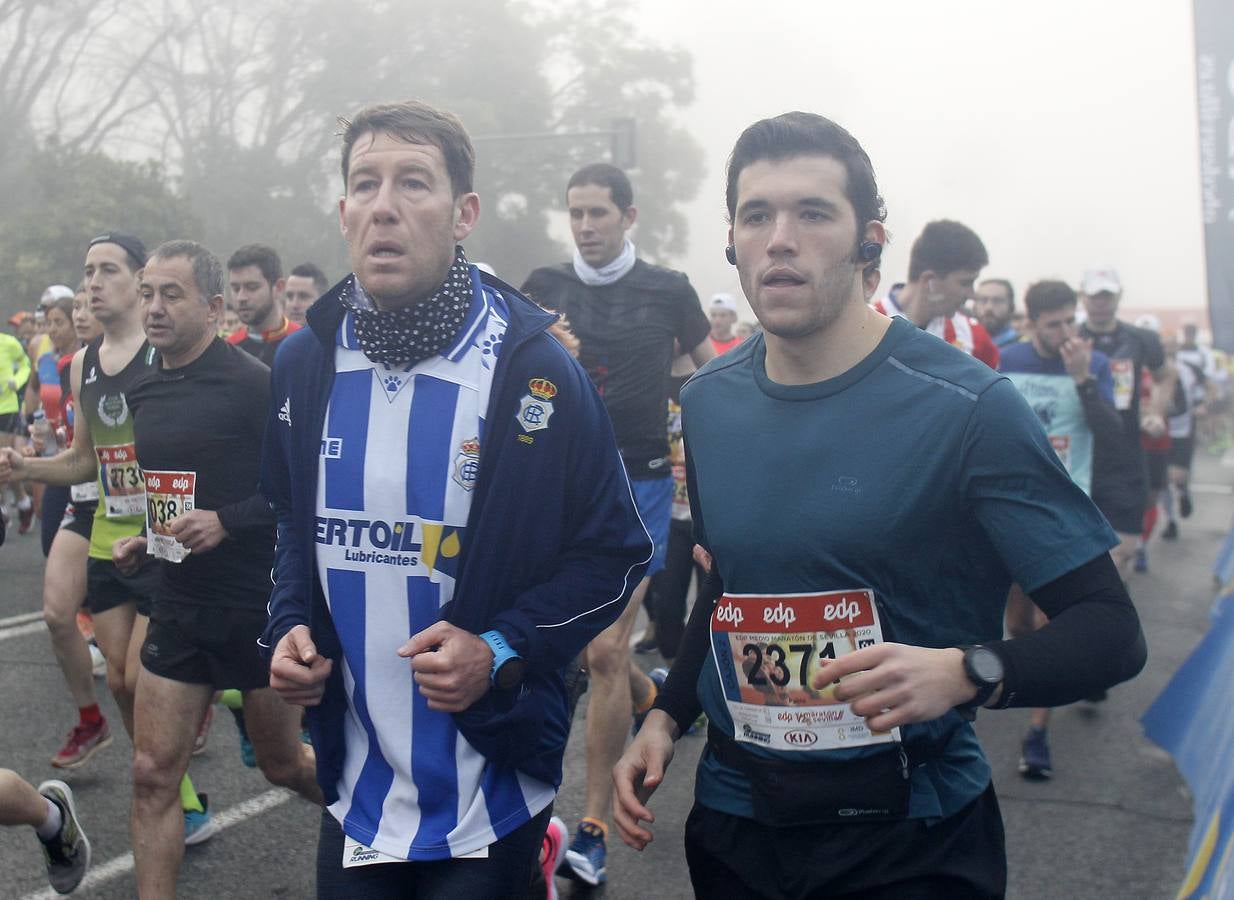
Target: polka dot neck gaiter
x=412, y=333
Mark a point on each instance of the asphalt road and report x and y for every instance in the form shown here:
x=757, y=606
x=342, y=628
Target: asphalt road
x=1113, y=822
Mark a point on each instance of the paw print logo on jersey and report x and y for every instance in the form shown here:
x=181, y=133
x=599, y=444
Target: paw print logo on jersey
x=490, y=347
x=391, y=382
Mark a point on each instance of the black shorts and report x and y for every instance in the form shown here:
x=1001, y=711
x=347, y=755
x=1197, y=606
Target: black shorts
x=206, y=645
x=106, y=588
x=10, y=423
x=963, y=857
x=79, y=518
x=1157, y=462
x=1181, y=452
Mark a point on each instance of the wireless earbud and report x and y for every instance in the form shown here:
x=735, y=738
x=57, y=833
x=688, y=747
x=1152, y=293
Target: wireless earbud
x=870, y=251
x=730, y=253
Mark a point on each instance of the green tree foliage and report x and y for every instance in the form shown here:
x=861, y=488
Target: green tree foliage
x=61, y=200
x=239, y=103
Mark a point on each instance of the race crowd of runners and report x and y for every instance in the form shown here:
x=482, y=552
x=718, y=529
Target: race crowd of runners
x=399, y=526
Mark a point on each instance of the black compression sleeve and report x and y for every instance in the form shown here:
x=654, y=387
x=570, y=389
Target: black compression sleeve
x=1092, y=641
x=250, y=513
x=1103, y=419
x=679, y=695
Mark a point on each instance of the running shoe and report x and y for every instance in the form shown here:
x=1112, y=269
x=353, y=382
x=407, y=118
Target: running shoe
x=1141, y=559
x=1170, y=532
x=1035, y=756
x=203, y=732
x=98, y=663
x=82, y=743
x=658, y=676
x=25, y=517
x=585, y=857
x=199, y=827
x=1184, y=504
x=553, y=849
x=68, y=853
x=248, y=755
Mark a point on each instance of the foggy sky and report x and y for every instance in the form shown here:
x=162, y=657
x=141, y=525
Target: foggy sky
x=1064, y=133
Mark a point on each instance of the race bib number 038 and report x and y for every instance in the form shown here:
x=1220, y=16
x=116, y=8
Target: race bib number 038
x=124, y=491
x=768, y=650
x=168, y=494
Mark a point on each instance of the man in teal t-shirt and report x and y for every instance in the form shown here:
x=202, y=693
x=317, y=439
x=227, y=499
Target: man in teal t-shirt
x=867, y=494
x=1071, y=389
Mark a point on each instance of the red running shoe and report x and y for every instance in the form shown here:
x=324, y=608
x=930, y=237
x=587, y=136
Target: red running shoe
x=83, y=742
x=25, y=518
x=552, y=850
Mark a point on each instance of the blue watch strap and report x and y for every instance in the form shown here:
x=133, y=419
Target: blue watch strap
x=502, y=652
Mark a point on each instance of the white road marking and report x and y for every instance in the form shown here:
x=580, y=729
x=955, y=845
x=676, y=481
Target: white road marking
x=1200, y=487
x=234, y=815
x=22, y=619
x=19, y=630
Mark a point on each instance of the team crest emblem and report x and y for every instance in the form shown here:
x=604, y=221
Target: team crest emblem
x=113, y=410
x=467, y=464
x=536, y=407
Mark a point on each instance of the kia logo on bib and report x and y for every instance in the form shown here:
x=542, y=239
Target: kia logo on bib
x=801, y=738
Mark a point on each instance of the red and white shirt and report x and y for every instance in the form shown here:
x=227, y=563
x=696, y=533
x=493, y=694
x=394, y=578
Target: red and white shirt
x=958, y=330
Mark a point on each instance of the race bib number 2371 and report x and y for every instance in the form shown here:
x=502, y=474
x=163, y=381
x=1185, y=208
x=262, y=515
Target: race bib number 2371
x=768, y=651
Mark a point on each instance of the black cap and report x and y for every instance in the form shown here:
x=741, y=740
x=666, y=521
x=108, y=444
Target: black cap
x=131, y=243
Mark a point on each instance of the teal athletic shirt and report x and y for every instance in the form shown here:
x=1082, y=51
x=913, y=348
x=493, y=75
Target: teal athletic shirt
x=920, y=474
x=1051, y=392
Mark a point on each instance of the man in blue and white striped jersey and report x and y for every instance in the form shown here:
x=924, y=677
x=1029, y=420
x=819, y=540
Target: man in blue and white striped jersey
x=454, y=526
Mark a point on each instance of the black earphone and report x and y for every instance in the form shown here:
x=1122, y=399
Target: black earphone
x=867, y=252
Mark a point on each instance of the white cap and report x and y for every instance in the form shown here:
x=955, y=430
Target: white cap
x=1148, y=321
x=1103, y=279
x=54, y=293
x=722, y=301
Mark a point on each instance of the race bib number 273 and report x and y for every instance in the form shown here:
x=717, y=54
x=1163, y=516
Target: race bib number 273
x=769, y=650
x=120, y=477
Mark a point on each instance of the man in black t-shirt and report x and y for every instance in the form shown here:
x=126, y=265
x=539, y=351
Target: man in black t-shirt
x=630, y=318
x=1120, y=474
x=255, y=276
x=198, y=419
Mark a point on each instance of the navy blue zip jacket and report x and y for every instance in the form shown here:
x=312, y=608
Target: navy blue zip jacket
x=552, y=549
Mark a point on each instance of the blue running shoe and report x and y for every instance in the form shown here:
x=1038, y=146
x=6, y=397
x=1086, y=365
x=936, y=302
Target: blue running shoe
x=248, y=755
x=658, y=676
x=585, y=856
x=1141, y=560
x=198, y=826
x=1035, y=756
